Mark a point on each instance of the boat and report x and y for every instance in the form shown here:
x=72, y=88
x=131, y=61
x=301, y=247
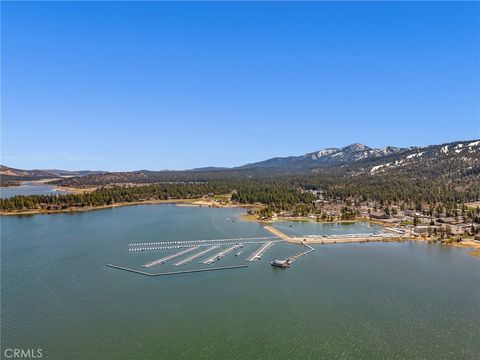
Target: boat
x=238, y=254
x=280, y=263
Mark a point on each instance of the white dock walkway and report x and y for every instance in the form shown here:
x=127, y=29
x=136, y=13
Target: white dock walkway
x=168, y=258
x=197, y=242
x=257, y=255
x=195, y=256
x=221, y=254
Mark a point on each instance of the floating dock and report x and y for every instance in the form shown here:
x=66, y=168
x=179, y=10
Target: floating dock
x=175, y=272
x=168, y=258
x=257, y=255
x=341, y=238
x=351, y=236
x=156, y=248
x=395, y=230
x=195, y=256
x=197, y=242
x=221, y=254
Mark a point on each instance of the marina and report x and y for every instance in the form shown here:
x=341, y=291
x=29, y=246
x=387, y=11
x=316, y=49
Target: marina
x=221, y=254
x=265, y=241
x=196, y=256
x=257, y=255
x=169, y=257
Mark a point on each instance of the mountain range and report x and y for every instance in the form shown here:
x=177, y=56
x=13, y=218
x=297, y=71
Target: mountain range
x=326, y=157
x=359, y=158
x=455, y=158
x=12, y=174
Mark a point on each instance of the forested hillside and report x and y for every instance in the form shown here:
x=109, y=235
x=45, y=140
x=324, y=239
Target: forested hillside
x=444, y=175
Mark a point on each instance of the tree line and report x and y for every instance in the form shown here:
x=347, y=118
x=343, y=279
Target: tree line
x=293, y=193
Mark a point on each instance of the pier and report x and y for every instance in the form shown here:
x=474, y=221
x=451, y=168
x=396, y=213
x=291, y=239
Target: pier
x=221, y=254
x=278, y=233
x=395, y=230
x=175, y=272
x=295, y=257
x=169, y=257
x=195, y=256
x=257, y=255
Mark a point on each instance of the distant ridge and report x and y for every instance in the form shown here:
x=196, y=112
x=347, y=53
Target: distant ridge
x=327, y=157
x=459, y=158
x=64, y=173
x=210, y=168
x=13, y=174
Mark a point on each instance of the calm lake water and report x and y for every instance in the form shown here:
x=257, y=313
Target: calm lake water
x=343, y=301
x=28, y=188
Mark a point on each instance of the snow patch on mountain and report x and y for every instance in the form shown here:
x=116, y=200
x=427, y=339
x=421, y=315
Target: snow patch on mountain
x=415, y=155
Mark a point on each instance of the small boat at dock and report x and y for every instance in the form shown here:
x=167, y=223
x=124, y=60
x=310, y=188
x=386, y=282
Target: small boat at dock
x=281, y=263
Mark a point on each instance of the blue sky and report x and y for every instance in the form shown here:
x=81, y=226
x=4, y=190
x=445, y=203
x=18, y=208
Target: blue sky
x=125, y=86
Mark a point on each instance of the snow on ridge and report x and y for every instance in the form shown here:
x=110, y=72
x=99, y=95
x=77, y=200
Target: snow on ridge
x=375, y=168
x=415, y=155
x=378, y=167
x=325, y=152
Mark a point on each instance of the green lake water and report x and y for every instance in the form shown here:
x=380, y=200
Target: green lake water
x=343, y=301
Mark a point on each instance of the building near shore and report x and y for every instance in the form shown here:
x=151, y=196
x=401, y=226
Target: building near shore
x=379, y=215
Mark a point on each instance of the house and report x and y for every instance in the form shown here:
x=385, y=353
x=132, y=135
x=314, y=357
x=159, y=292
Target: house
x=379, y=215
x=411, y=213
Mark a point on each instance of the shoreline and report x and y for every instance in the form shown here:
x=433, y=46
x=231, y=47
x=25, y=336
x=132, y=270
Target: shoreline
x=202, y=202
x=197, y=202
x=466, y=244
x=248, y=217
x=70, y=190
x=55, y=188
x=92, y=208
